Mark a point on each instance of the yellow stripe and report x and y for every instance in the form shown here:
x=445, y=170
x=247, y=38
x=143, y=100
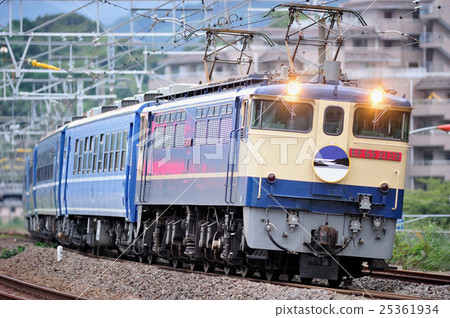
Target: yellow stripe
x=190, y=176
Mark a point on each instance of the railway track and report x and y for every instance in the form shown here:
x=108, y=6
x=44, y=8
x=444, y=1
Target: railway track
x=409, y=276
x=370, y=294
x=348, y=291
x=404, y=275
x=11, y=288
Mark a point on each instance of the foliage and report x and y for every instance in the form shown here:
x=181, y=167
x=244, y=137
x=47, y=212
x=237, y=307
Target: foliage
x=7, y=253
x=45, y=245
x=426, y=250
x=433, y=200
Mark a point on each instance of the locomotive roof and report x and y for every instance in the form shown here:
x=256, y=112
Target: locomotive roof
x=79, y=122
x=308, y=91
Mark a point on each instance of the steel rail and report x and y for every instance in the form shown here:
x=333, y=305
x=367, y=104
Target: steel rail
x=410, y=276
x=24, y=290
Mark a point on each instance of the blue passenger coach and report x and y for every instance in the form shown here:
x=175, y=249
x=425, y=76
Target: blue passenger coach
x=84, y=169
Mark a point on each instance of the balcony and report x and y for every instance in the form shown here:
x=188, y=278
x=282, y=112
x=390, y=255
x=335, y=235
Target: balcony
x=431, y=12
x=438, y=139
x=408, y=73
x=430, y=168
x=433, y=107
x=435, y=40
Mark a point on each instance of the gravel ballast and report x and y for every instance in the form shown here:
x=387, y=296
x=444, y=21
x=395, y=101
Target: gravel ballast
x=105, y=279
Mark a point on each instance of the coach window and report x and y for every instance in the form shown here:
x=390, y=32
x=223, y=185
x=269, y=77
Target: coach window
x=333, y=120
x=94, y=163
x=381, y=124
x=282, y=115
x=86, y=152
x=100, y=153
x=80, y=155
x=91, y=145
x=75, y=156
x=111, y=151
x=105, y=154
x=124, y=150
x=118, y=151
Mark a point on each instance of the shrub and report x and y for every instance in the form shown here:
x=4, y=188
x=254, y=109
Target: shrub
x=7, y=253
x=427, y=250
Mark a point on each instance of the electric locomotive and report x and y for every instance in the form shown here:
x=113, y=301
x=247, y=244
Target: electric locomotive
x=276, y=177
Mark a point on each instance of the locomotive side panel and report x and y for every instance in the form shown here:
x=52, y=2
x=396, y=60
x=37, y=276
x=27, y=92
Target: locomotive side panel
x=187, y=157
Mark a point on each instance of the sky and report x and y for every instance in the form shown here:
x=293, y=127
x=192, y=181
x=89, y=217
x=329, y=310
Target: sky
x=109, y=14
x=32, y=9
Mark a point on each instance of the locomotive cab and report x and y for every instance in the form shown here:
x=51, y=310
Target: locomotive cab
x=325, y=177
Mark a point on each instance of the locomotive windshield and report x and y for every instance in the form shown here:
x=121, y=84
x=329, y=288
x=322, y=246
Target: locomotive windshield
x=282, y=115
x=382, y=124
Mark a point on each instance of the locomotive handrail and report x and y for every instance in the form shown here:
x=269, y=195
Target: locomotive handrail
x=396, y=191
x=260, y=180
x=231, y=152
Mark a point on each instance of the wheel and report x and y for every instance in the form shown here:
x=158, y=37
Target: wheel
x=246, y=272
x=177, y=263
x=208, y=267
x=229, y=271
x=334, y=283
x=290, y=277
x=152, y=258
x=96, y=250
x=143, y=259
x=348, y=282
x=306, y=280
x=272, y=275
x=194, y=267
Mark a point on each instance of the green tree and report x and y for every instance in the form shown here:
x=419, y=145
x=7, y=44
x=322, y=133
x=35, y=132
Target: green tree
x=434, y=200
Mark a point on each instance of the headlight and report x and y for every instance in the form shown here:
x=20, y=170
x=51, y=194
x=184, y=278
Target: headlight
x=377, y=95
x=294, y=88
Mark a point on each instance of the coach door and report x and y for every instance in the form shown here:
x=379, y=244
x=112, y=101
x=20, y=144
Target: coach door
x=65, y=170
x=60, y=152
x=331, y=161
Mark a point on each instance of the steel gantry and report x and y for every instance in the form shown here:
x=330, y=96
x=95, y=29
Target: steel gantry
x=118, y=46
